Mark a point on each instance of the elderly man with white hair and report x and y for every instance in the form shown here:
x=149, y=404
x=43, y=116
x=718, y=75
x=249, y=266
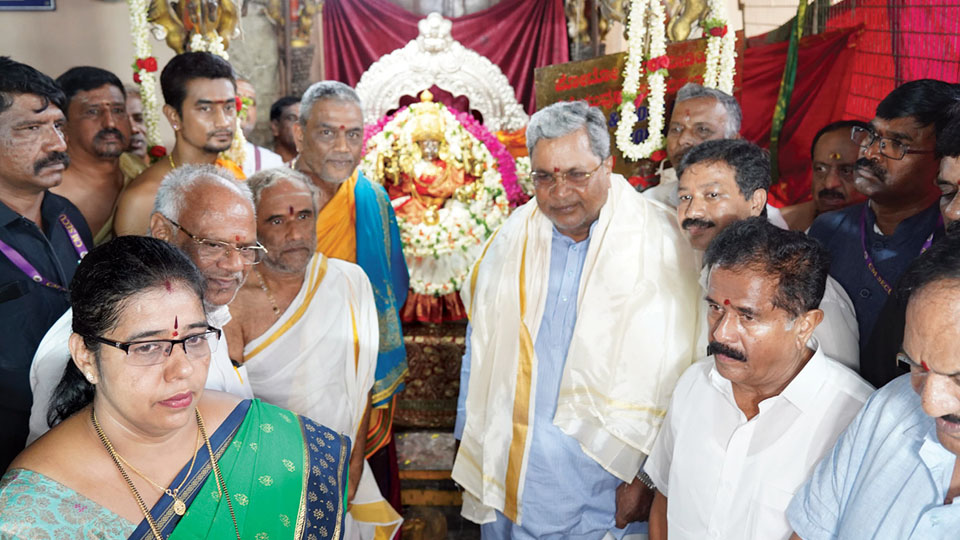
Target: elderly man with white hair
x=582, y=315
x=205, y=212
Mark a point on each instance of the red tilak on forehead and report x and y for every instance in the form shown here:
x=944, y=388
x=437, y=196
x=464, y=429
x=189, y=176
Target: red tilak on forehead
x=168, y=286
x=291, y=210
x=343, y=127
x=924, y=365
x=176, y=324
x=237, y=237
x=556, y=169
x=726, y=302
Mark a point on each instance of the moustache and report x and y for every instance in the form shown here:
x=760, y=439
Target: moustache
x=696, y=222
x=716, y=347
x=953, y=229
x=876, y=170
x=103, y=133
x=52, y=159
x=830, y=193
x=952, y=418
x=219, y=133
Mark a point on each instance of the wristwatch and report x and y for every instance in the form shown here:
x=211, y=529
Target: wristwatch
x=645, y=479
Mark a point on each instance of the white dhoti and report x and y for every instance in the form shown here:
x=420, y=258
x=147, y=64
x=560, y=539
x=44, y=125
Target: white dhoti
x=319, y=360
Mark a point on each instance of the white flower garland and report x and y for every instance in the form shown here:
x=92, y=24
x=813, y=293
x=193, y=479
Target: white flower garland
x=636, y=32
x=439, y=257
x=148, y=80
x=721, y=49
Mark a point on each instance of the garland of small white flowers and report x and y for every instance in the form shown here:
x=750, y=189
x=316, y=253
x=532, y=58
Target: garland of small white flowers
x=656, y=67
x=721, y=50
x=146, y=77
x=439, y=257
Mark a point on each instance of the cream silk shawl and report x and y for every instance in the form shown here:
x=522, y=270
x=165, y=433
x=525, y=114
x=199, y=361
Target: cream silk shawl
x=318, y=360
x=635, y=334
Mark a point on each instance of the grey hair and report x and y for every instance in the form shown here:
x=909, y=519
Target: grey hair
x=326, y=90
x=734, y=115
x=565, y=117
x=178, y=183
x=271, y=177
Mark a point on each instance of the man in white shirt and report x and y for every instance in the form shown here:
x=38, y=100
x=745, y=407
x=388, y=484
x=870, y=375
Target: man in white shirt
x=255, y=158
x=746, y=426
x=725, y=181
x=219, y=214
x=699, y=114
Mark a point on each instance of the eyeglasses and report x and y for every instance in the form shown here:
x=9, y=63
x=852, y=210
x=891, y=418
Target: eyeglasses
x=215, y=249
x=577, y=179
x=155, y=351
x=890, y=148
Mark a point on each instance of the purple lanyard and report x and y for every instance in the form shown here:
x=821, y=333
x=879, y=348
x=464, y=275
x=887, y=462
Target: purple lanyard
x=20, y=262
x=869, y=260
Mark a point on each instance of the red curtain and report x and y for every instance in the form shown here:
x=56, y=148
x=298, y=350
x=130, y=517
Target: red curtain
x=819, y=97
x=516, y=35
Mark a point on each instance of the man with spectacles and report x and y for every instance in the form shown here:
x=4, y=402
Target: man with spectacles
x=305, y=328
x=834, y=154
x=356, y=223
x=210, y=216
x=872, y=243
x=895, y=472
x=42, y=235
x=98, y=131
x=582, y=317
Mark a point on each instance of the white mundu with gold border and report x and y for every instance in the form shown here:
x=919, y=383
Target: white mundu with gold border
x=634, y=335
x=319, y=360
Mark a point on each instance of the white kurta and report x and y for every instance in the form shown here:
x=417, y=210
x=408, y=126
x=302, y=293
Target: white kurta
x=319, y=360
x=268, y=159
x=53, y=354
x=726, y=477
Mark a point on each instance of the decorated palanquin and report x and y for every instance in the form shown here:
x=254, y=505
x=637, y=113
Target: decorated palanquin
x=444, y=130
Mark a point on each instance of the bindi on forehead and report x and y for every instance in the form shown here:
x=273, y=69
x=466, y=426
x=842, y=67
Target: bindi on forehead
x=168, y=286
x=176, y=325
x=726, y=301
x=291, y=210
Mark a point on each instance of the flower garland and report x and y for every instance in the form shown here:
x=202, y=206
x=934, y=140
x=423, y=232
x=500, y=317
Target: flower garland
x=656, y=67
x=721, y=50
x=145, y=74
x=439, y=256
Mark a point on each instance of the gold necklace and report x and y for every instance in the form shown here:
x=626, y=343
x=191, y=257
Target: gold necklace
x=172, y=164
x=263, y=285
x=133, y=489
x=178, y=505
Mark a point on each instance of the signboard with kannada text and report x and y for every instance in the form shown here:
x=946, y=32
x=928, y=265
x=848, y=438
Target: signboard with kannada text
x=599, y=81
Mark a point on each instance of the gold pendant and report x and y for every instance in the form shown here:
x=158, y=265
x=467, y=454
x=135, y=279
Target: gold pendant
x=178, y=507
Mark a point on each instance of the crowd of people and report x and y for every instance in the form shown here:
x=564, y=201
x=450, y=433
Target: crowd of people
x=208, y=349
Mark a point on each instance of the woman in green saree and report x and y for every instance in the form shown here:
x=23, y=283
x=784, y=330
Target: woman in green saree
x=131, y=457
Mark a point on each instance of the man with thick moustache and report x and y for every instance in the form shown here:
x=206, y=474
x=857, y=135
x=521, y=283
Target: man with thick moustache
x=834, y=156
x=747, y=425
x=200, y=95
x=894, y=474
x=205, y=212
x=726, y=181
x=356, y=223
x=872, y=243
x=98, y=131
x=305, y=328
x=582, y=317
x=42, y=235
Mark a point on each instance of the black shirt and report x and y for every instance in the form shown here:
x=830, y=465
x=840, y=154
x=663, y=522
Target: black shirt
x=28, y=309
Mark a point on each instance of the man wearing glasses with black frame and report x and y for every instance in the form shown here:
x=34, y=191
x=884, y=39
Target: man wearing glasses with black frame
x=872, y=243
x=210, y=216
